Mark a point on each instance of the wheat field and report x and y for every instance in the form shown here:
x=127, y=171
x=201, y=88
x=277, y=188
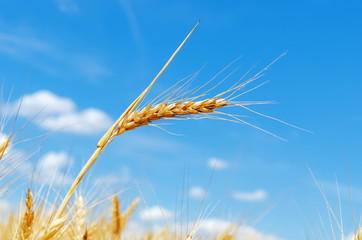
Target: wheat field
x=67, y=219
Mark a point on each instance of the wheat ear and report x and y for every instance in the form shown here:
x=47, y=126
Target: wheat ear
x=26, y=228
x=119, y=221
x=50, y=230
x=128, y=213
x=108, y=136
x=3, y=147
x=79, y=223
x=85, y=235
x=116, y=218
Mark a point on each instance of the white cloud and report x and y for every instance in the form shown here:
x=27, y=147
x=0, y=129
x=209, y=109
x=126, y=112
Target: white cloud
x=85, y=122
x=155, y=213
x=60, y=113
x=215, y=227
x=197, y=192
x=45, y=102
x=217, y=163
x=254, y=196
x=53, y=167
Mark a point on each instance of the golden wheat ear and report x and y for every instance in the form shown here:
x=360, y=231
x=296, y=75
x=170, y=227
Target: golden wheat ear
x=116, y=218
x=119, y=220
x=3, y=147
x=112, y=132
x=27, y=221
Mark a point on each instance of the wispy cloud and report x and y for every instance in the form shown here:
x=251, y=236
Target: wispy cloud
x=140, y=145
x=344, y=189
x=20, y=46
x=155, y=213
x=90, y=66
x=217, y=163
x=45, y=55
x=197, y=192
x=53, y=167
x=254, y=196
x=60, y=113
x=137, y=36
x=123, y=176
x=67, y=6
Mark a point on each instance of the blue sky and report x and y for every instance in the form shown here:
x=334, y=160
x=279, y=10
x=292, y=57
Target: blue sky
x=90, y=59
